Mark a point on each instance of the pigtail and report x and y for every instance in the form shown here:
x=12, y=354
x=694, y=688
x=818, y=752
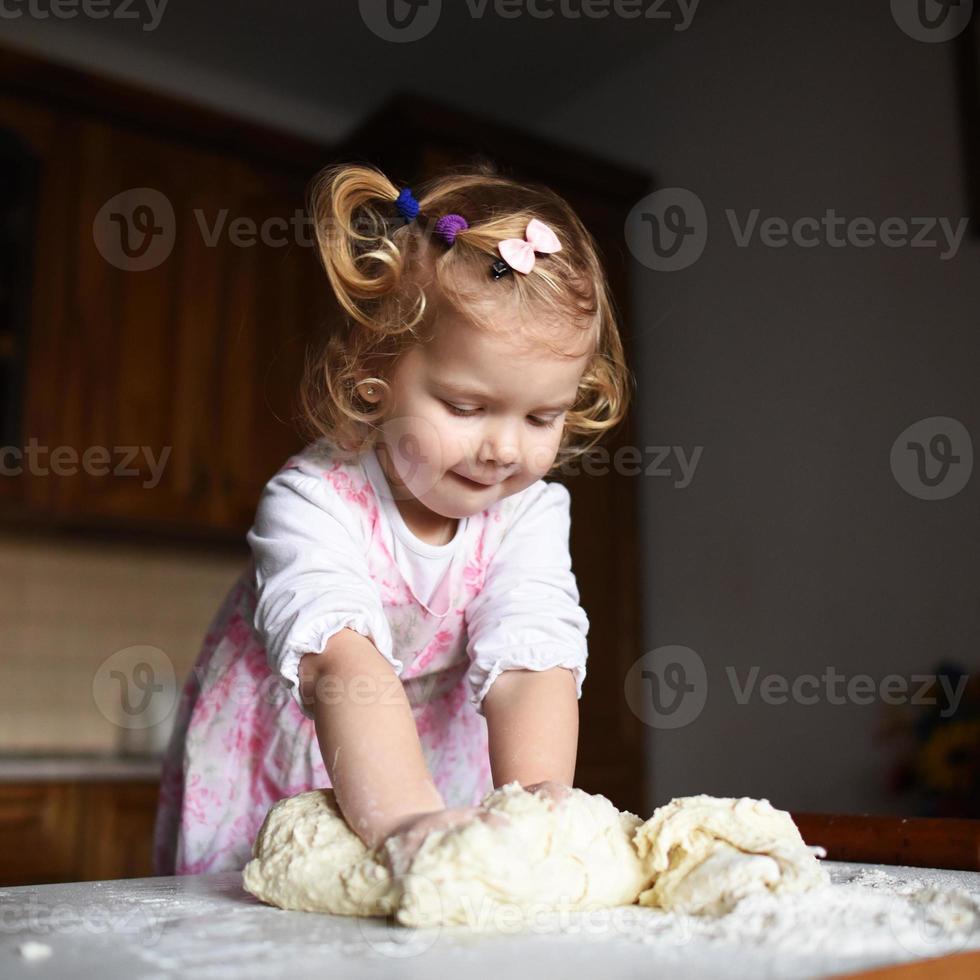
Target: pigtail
x=364, y=244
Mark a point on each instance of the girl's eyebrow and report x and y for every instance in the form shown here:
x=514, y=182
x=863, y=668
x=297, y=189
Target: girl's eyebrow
x=465, y=392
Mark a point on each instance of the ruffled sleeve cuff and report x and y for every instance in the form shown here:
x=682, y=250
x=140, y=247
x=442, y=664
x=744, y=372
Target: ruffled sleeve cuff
x=541, y=656
x=315, y=638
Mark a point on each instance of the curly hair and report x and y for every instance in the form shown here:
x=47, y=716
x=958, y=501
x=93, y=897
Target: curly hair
x=387, y=274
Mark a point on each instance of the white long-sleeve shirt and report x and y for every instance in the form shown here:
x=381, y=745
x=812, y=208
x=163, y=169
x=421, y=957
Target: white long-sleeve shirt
x=315, y=574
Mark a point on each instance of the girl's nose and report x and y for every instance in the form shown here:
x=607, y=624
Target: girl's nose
x=500, y=446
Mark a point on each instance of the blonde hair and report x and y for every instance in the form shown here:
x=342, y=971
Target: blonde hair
x=384, y=272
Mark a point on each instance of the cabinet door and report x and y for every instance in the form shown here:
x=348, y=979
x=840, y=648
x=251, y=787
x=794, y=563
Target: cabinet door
x=117, y=831
x=39, y=827
x=141, y=344
x=184, y=368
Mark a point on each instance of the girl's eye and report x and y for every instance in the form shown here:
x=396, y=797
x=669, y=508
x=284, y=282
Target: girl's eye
x=461, y=411
x=536, y=422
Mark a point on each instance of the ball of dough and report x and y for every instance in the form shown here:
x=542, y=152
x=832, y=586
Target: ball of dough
x=572, y=855
x=704, y=853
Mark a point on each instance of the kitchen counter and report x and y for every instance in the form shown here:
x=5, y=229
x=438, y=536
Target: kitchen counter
x=57, y=768
x=208, y=926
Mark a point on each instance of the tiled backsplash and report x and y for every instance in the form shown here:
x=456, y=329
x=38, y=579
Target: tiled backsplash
x=65, y=607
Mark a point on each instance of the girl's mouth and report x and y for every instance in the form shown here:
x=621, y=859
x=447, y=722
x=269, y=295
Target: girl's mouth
x=470, y=483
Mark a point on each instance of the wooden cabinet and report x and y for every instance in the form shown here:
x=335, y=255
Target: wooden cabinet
x=175, y=377
x=76, y=831
x=117, y=830
x=38, y=824
x=171, y=364
x=174, y=292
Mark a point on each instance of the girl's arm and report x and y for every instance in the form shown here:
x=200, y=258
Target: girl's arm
x=367, y=736
x=532, y=722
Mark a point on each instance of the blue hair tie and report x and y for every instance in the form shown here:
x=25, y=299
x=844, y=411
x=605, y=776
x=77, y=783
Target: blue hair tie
x=407, y=206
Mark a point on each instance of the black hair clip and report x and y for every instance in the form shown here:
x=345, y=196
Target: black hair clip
x=499, y=268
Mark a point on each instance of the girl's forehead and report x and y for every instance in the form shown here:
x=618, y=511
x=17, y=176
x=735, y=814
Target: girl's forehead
x=499, y=361
x=509, y=341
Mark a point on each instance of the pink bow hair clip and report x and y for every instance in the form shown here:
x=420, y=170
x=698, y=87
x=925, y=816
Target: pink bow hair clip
x=519, y=254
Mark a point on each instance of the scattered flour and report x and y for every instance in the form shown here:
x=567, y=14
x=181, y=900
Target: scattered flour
x=34, y=951
x=862, y=914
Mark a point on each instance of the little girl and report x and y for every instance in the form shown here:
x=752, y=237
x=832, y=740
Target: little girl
x=408, y=631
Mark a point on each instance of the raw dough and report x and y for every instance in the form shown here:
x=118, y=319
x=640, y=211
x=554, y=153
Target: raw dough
x=698, y=854
x=704, y=853
x=575, y=855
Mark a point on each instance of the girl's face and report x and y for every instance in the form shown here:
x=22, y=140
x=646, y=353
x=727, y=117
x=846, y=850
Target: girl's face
x=473, y=418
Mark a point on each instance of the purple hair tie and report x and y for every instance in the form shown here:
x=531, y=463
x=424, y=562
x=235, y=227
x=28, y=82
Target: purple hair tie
x=449, y=226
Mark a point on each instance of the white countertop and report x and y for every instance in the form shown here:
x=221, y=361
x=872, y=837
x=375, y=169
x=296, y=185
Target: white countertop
x=55, y=768
x=208, y=927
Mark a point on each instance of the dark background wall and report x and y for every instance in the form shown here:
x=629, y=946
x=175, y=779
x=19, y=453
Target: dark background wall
x=795, y=548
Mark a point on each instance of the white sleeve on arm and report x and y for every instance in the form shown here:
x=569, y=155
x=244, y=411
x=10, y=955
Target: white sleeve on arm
x=528, y=614
x=311, y=578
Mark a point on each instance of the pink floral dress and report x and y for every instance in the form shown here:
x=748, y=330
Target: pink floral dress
x=241, y=742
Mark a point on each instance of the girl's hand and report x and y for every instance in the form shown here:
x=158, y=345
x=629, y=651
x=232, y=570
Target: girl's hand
x=401, y=845
x=555, y=792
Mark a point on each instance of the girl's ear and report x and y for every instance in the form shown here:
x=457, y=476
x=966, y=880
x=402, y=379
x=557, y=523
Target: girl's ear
x=371, y=389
